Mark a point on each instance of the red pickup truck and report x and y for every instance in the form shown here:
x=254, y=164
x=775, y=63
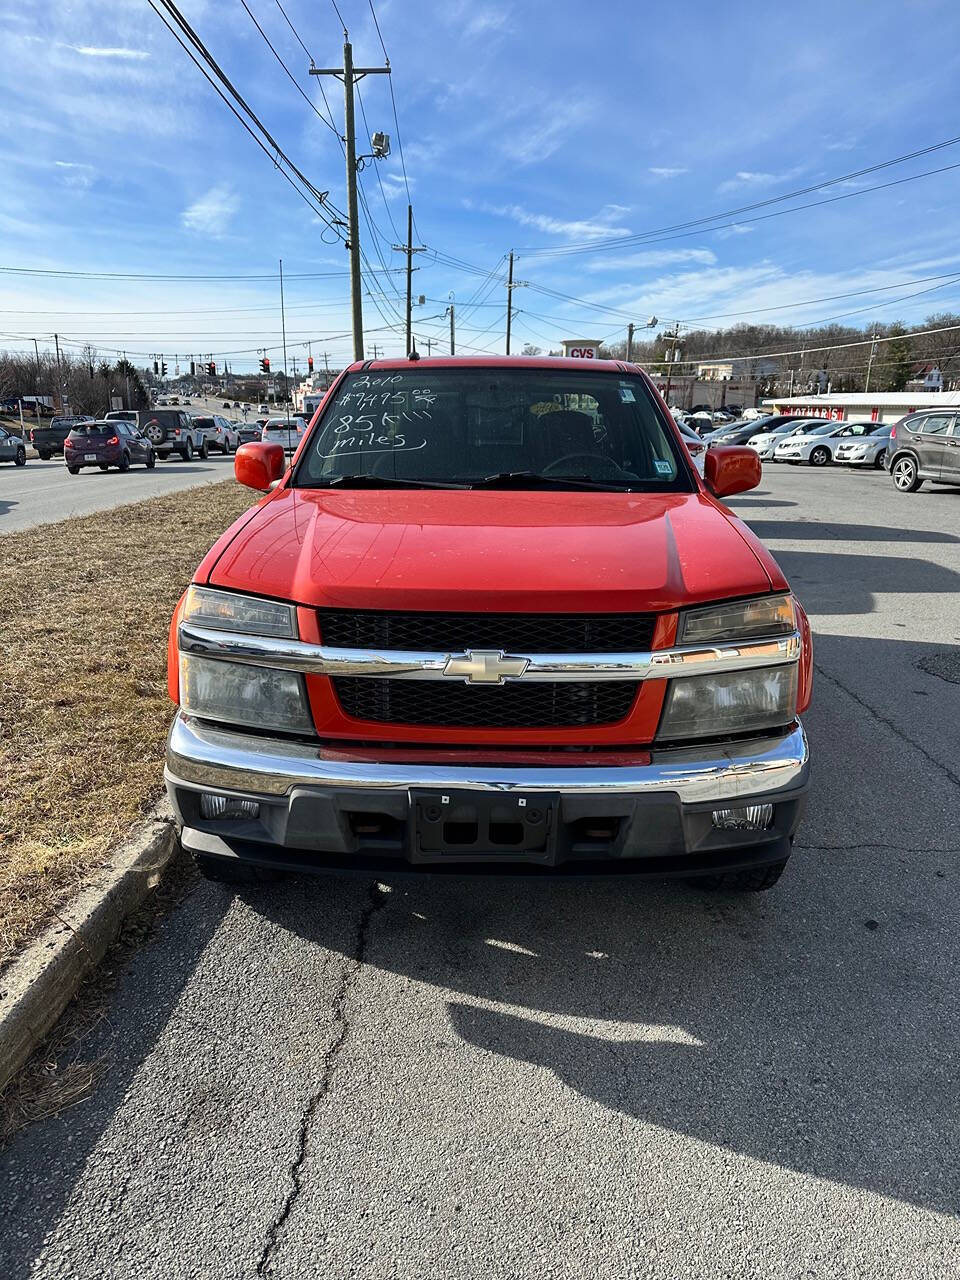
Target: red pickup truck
x=490, y=618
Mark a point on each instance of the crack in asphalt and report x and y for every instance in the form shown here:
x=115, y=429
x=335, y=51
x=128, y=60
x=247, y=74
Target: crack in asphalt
x=904, y=737
x=376, y=899
x=871, y=844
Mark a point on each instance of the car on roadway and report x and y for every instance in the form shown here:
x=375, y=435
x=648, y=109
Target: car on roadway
x=173, y=431
x=248, y=432
x=12, y=447
x=490, y=619
x=227, y=404
x=925, y=446
x=221, y=434
x=868, y=450
x=49, y=440
x=818, y=445
x=285, y=431
x=765, y=442
x=121, y=415
x=107, y=444
x=263, y=408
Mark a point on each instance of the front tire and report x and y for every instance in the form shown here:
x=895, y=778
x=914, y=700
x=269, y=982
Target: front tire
x=905, y=476
x=752, y=880
x=21, y=459
x=74, y=471
x=820, y=456
x=880, y=461
x=186, y=453
x=124, y=463
x=151, y=460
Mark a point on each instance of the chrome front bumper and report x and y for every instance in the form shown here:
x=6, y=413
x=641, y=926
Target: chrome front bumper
x=314, y=809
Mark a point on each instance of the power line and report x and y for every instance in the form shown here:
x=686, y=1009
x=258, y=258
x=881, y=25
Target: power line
x=339, y=16
x=290, y=76
x=619, y=241
x=130, y=275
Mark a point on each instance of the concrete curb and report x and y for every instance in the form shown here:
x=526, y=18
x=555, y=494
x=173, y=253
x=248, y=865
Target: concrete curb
x=39, y=985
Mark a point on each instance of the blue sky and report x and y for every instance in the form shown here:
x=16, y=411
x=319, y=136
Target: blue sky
x=529, y=126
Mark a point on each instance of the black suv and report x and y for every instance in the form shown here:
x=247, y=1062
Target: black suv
x=925, y=446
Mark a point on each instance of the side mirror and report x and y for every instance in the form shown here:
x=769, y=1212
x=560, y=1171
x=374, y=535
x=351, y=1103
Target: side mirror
x=731, y=469
x=258, y=465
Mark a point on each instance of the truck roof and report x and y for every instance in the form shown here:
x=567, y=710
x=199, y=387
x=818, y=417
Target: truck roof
x=495, y=362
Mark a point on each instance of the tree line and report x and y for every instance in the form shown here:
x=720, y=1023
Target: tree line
x=843, y=367
x=83, y=382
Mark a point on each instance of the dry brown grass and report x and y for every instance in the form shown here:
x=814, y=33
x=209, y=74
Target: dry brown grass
x=84, y=610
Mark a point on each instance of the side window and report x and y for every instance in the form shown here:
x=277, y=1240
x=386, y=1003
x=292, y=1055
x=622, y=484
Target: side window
x=956, y=425
x=936, y=424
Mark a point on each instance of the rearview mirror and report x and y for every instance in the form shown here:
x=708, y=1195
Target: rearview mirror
x=259, y=465
x=731, y=469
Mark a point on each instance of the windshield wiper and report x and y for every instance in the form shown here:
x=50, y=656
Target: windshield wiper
x=379, y=482
x=536, y=480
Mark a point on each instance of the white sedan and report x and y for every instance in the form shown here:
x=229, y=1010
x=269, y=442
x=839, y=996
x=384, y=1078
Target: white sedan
x=818, y=445
x=287, y=432
x=766, y=442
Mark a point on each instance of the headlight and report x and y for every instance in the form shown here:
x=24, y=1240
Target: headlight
x=227, y=612
x=738, y=620
x=236, y=693
x=738, y=702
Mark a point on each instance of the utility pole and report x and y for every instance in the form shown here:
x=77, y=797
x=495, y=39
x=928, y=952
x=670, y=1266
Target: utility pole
x=37, y=400
x=326, y=366
x=509, y=300
x=350, y=74
x=629, y=342
x=56, y=343
x=453, y=344
x=430, y=343
x=376, y=351
x=873, y=352
x=409, y=249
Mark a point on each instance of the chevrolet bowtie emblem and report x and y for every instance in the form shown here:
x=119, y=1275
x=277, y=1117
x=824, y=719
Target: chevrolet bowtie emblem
x=485, y=666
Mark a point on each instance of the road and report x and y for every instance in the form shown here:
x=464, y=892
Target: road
x=609, y=1080
x=44, y=491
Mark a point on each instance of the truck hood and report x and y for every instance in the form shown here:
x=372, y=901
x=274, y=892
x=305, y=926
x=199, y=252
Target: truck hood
x=503, y=551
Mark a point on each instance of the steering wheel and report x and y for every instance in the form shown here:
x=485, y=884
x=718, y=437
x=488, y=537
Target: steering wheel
x=580, y=457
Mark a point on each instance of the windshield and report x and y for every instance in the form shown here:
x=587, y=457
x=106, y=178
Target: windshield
x=473, y=425
x=826, y=430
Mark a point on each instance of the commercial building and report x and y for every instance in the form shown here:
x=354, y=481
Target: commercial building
x=882, y=406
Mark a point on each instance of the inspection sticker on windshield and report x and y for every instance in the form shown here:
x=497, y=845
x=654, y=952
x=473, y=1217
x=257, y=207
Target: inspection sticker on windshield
x=627, y=396
x=662, y=468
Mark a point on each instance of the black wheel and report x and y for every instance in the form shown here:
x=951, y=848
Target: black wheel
x=905, y=476
x=124, y=463
x=21, y=459
x=44, y=456
x=186, y=453
x=151, y=460
x=164, y=455
x=74, y=471
x=820, y=456
x=228, y=871
x=753, y=880
x=205, y=449
x=880, y=461
x=103, y=466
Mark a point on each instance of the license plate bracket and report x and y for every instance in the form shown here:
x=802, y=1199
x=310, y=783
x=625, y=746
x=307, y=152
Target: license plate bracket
x=89, y=457
x=483, y=826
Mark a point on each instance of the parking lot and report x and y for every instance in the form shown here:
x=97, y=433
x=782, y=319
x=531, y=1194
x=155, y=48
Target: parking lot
x=438, y=1077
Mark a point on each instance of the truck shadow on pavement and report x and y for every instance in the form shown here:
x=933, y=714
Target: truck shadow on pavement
x=813, y=1028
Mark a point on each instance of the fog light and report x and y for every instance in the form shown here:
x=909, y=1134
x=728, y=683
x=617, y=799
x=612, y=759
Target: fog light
x=755, y=817
x=214, y=806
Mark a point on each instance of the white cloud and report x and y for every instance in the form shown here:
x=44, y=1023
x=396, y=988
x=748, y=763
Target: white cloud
x=599, y=227
x=652, y=258
x=74, y=174
x=101, y=51
x=211, y=214
x=667, y=173
x=735, y=229
x=748, y=178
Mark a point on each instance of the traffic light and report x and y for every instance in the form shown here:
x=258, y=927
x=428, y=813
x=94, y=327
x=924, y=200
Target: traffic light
x=193, y=368
x=156, y=368
x=310, y=363
x=265, y=364
x=212, y=369
x=163, y=369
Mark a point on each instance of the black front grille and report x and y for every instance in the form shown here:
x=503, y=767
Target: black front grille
x=511, y=632
x=449, y=704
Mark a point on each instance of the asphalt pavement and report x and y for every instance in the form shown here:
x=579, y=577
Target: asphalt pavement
x=502, y=1079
